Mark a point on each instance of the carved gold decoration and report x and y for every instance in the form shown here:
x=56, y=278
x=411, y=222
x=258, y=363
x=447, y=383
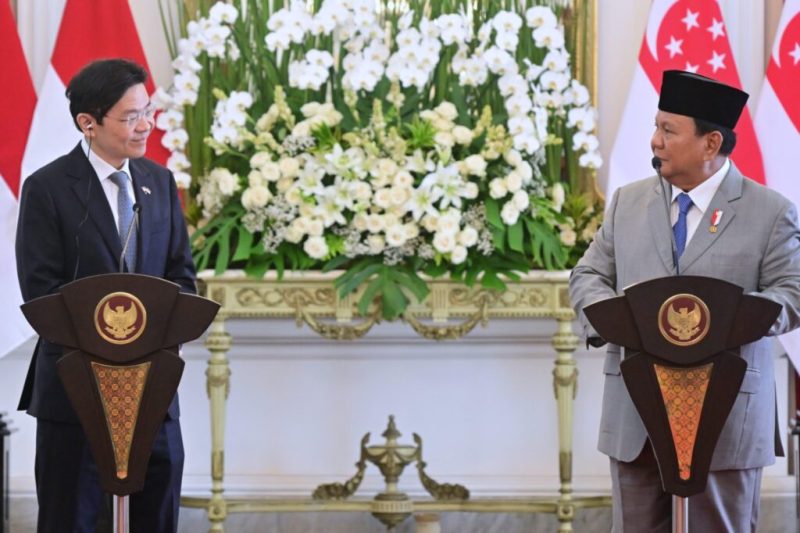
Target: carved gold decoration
x=222, y=380
x=121, y=389
x=570, y=380
x=120, y=318
x=338, y=332
x=439, y=332
x=391, y=506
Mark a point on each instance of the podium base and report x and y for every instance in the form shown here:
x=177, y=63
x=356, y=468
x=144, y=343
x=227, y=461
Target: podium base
x=121, y=514
x=680, y=514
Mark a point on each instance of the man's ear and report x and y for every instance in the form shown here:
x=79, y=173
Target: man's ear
x=87, y=123
x=713, y=144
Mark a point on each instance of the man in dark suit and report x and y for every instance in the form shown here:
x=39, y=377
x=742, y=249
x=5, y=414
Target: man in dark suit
x=75, y=215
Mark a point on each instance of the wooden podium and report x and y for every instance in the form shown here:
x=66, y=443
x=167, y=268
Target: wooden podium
x=682, y=367
x=121, y=335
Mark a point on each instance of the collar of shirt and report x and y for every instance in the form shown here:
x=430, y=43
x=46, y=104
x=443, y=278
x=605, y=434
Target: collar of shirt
x=703, y=194
x=102, y=168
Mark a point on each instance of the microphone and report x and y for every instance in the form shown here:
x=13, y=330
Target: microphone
x=136, y=209
x=656, y=162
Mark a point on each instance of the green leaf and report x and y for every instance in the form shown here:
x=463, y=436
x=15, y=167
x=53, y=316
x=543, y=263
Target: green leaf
x=353, y=278
x=493, y=213
x=394, y=301
x=244, y=245
x=515, y=234
x=490, y=280
x=410, y=280
x=369, y=294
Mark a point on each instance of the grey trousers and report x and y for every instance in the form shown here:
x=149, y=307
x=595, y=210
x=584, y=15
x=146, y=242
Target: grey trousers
x=730, y=502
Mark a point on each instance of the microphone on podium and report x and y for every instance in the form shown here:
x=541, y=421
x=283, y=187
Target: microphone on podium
x=136, y=209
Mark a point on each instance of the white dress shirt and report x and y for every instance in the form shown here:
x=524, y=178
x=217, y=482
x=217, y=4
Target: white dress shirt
x=701, y=198
x=104, y=170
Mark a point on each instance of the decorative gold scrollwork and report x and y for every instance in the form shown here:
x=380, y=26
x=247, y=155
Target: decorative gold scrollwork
x=342, y=491
x=442, y=332
x=337, y=332
x=439, y=491
x=570, y=380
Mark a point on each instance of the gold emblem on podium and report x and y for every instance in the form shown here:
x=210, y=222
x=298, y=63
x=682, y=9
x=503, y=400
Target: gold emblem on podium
x=684, y=319
x=120, y=318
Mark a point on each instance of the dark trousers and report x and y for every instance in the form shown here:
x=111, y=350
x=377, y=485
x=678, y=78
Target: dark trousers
x=730, y=503
x=68, y=489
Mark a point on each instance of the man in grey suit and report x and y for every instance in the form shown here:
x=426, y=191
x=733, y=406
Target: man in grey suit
x=699, y=217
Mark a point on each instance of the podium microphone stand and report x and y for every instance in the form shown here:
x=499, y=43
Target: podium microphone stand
x=682, y=368
x=120, y=335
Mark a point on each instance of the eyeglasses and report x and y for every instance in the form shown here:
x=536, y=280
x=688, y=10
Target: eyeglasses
x=133, y=119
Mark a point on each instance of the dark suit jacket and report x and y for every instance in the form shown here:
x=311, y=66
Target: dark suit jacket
x=66, y=231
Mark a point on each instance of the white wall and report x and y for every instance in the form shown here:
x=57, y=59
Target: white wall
x=484, y=406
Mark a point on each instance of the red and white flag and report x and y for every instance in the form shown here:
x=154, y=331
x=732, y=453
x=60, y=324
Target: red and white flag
x=111, y=33
x=685, y=35
x=778, y=123
x=17, y=101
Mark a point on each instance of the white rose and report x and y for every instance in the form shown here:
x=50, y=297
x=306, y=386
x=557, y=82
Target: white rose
x=383, y=198
x=458, y=255
x=447, y=224
x=256, y=179
x=396, y=235
x=521, y=200
x=513, y=158
x=376, y=244
x=462, y=135
x=412, y=230
x=226, y=182
x=315, y=227
x=476, y=165
x=302, y=129
x=289, y=167
x=360, y=222
x=399, y=195
x=258, y=160
x=526, y=171
x=444, y=242
x=510, y=213
x=294, y=196
x=497, y=188
x=445, y=139
x=447, y=110
x=468, y=236
x=430, y=222
x=375, y=223
x=361, y=191
x=284, y=184
x=316, y=247
x=271, y=171
x=403, y=179
x=293, y=235
x=470, y=190
x=568, y=237
x=386, y=168
x=255, y=197
x=514, y=181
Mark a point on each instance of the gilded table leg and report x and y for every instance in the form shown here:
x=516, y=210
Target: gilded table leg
x=217, y=386
x=565, y=376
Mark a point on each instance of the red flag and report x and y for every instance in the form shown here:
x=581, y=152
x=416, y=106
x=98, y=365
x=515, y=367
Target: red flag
x=684, y=35
x=778, y=123
x=112, y=34
x=17, y=101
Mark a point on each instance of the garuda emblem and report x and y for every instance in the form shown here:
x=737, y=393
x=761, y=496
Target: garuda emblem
x=120, y=318
x=684, y=319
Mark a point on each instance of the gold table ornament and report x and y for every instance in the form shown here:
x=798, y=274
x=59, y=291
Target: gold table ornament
x=310, y=298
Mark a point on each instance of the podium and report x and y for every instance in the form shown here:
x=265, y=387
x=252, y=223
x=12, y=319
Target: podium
x=121, y=335
x=682, y=368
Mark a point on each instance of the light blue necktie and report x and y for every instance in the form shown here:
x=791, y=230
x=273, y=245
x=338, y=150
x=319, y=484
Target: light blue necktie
x=125, y=213
x=679, y=229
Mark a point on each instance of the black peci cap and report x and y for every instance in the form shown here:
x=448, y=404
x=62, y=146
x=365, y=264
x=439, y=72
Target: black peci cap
x=693, y=95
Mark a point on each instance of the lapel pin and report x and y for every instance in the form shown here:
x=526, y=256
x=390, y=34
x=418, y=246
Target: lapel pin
x=715, y=218
x=146, y=190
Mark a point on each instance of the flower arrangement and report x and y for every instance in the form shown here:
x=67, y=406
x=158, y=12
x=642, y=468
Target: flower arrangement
x=386, y=138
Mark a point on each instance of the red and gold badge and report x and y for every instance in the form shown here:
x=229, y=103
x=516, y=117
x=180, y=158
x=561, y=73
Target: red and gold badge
x=684, y=319
x=120, y=318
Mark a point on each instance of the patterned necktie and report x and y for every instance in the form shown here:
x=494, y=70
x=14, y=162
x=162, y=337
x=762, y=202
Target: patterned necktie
x=125, y=213
x=679, y=229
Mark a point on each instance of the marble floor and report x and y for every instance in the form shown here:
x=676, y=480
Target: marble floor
x=777, y=516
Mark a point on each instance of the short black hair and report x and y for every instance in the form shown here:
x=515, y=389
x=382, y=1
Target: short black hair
x=101, y=84
x=728, y=135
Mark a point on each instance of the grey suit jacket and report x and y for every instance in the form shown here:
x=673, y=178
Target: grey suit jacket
x=757, y=246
